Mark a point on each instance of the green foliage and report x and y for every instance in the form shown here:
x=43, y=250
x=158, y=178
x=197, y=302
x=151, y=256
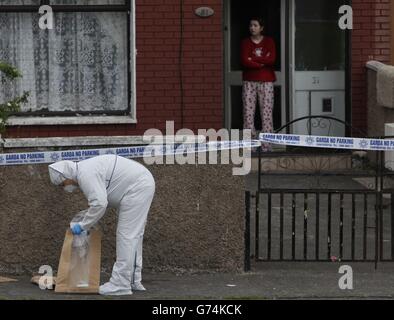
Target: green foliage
x=10, y=73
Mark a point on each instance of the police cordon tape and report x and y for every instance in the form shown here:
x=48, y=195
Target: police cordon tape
x=10, y=159
x=328, y=142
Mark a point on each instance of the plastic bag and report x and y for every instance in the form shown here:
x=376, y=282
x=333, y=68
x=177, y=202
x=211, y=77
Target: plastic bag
x=79, y=265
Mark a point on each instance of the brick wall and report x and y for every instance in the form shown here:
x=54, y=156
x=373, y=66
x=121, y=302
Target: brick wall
x=370, y=41
x=392, y=30
x=158, y=77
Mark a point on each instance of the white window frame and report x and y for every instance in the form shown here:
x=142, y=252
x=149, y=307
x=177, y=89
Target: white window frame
x=130, y=118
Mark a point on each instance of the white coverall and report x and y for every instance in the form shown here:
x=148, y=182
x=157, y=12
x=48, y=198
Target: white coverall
x=116, y=182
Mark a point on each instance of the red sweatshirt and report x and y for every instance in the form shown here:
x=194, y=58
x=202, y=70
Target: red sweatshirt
x=258, y=60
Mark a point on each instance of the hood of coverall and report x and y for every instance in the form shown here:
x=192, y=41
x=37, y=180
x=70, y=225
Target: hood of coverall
x=62, y=170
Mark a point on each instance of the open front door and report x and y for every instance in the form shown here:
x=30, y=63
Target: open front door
x=237, y=17
x=311, y=62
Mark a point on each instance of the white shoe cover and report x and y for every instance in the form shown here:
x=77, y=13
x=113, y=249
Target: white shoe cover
x=109, y=289
x=138, y=287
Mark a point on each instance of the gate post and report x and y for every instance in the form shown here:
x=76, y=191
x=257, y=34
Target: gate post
x=381, y=190
x=247, y=232
x=379, y=210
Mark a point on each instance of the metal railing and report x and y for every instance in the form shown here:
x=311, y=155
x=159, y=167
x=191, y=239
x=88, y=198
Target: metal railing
x=319, y=222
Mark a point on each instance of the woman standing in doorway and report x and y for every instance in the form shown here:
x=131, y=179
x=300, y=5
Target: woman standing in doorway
x=258, y=55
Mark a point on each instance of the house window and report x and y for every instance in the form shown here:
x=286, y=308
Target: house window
x=80, y=67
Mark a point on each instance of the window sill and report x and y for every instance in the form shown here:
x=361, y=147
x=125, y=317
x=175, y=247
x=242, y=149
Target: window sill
x=39, y=121
x=97, y=141
x=72, y=141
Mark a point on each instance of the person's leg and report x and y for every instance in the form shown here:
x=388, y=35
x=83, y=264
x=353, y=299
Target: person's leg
x=137, y=276
x=266, y=102
x=133, y=212
x=249, y=99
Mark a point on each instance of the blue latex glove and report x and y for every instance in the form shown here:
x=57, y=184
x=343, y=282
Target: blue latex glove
x=76, y=229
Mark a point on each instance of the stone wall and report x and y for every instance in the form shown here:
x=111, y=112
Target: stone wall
x=378, y=115
x=196, y=222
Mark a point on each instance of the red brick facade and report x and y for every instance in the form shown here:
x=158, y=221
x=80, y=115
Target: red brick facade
x=158, y=73
x=370, y=41
x=158, y=31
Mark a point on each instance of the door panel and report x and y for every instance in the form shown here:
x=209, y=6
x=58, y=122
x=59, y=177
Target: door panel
x=326, y=103
x=319, y=68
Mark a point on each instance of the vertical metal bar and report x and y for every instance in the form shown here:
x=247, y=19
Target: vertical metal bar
x=353, y=226
x=294, y=226
x=392, y=226
x=329, y=236
x=281, y=224
x=310, y=112
x=379, y=231
x=341, y=227
x=377, y=185
x=379, y=212
x=269, y=225
x=377, y=227
x=247, y=231
x=305, y=226
x=259, y=179
x=365, y=226
x=257, y=228
x=317, y=225
x=381, y=191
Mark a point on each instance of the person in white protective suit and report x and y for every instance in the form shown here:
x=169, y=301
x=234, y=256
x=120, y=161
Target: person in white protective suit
x=116, y=182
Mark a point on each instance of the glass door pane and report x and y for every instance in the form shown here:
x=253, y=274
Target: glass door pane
x=319, y=68
x=320, y=43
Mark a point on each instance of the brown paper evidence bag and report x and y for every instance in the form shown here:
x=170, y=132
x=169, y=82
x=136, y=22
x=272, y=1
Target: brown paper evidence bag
x=79, y=267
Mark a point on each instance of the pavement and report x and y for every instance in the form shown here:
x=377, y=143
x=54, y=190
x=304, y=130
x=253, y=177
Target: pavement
x=266, y=281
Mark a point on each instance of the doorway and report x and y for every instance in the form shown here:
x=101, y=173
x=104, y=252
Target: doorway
x=311, y=60
x=237, y=17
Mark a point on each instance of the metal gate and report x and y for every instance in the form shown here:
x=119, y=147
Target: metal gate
x=325, y=215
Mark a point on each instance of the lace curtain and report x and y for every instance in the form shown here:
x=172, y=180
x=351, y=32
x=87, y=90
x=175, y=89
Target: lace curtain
x=79, y=65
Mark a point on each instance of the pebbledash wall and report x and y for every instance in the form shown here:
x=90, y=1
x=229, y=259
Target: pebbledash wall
x=196, y=222
x=158, y=84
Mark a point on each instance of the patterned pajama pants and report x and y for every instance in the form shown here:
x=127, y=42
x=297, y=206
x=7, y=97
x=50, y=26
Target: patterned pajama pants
x=264, y=93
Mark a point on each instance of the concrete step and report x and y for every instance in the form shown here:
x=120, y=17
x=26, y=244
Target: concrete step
x=303, y=162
